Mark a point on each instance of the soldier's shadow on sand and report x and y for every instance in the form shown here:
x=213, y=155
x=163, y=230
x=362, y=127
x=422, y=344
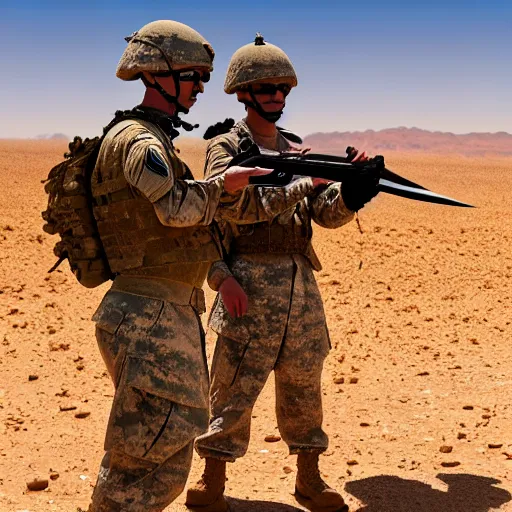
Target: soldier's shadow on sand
x=465, y=493
x=237, y=505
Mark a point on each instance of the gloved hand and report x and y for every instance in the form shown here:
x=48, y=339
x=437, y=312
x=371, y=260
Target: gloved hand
x=234, y=297
x=360, y=188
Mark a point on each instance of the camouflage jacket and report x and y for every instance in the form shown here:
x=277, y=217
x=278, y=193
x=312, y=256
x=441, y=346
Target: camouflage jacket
x=327, y=209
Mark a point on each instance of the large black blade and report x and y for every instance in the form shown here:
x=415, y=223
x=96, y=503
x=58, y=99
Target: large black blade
x=384, y=173
x=331, y=167
x=418, y=194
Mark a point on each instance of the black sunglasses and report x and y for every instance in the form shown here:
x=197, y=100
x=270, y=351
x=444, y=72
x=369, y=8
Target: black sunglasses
x=271, y=89
x=194, y=76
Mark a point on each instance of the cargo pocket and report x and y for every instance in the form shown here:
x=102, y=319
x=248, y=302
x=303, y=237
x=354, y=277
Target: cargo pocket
x=122, y=319
x=150, y=427
x=227, y=360
x=109, y=322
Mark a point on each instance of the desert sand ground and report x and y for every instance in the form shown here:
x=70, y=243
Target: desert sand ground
x=421, y=353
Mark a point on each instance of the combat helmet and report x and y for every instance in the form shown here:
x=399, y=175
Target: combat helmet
x=259, y=62
x=163, y=48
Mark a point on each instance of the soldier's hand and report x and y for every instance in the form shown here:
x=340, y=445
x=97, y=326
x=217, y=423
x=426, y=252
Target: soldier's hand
x=360, y=188
x=234, y=297
x=353, y=155
x=236, y=178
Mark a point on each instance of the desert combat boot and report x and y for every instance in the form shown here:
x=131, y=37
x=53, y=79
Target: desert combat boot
x=311, y=491
x=208, y=494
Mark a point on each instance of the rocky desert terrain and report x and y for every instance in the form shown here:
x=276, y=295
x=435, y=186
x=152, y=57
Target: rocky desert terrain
x=417, y=388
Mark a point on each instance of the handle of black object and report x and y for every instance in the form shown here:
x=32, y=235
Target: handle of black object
x=286, y=165
x=273, y=179
x=311, y=165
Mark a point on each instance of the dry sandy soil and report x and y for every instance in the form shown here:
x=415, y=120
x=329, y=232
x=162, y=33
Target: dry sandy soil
x=421, y=353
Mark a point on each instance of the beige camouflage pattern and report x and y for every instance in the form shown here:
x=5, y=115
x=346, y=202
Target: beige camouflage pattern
x=173, y=201
x=284, y=329
x=326, y=209
x=179, y=202
x=148, y=326
x=182, y=46
x=122, y=482
x=256, y=62
x=154, y=351
x=217, y=275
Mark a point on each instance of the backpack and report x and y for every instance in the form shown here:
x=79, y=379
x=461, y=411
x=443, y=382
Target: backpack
x=69, y=213
x=70, y=204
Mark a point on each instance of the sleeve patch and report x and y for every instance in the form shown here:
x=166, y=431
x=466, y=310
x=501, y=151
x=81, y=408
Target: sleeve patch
x=155, y=163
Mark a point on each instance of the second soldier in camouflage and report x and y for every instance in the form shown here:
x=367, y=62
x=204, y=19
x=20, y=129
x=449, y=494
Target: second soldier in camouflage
x=284, y=330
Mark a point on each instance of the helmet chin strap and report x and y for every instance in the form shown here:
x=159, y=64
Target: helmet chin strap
x=173, y=100
x=271, y=117
x=175, y=75
x=176, y=121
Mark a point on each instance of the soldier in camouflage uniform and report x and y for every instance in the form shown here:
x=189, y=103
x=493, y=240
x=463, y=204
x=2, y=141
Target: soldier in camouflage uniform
x=154, y=223
x=285, y=328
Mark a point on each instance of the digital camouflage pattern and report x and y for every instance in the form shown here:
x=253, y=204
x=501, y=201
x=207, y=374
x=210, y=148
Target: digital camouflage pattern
x=127, y=220
x=284, y=329
x=326, y=209
x=154, y=351
x=148, y=326
x=129, y=479
x=124, y=160
x=161, y=42
x=153, y=223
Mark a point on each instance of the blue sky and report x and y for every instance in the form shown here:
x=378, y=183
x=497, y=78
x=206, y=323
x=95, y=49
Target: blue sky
x=361, y=65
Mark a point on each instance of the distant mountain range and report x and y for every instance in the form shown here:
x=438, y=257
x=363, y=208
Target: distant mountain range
x=396, y=139
x=412, y=139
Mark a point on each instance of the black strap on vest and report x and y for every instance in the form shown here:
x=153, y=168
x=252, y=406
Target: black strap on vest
x=225, y=126
x=167, y=123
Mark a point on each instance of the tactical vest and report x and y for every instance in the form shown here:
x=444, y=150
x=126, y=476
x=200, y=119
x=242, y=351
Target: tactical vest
x=293, y=237
x=274, y=238
x=134, y=239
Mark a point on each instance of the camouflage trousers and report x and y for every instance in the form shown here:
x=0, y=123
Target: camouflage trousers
x=154, y=352
x=284, y=331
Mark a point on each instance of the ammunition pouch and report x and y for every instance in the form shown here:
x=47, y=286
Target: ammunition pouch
x=270, y=238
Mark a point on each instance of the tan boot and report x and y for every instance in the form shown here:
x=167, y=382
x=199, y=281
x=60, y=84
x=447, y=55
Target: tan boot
x=208, y=494
x=311, y=491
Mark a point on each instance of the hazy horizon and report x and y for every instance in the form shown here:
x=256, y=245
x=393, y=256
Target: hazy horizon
x=439, y=66
x=198, y=133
